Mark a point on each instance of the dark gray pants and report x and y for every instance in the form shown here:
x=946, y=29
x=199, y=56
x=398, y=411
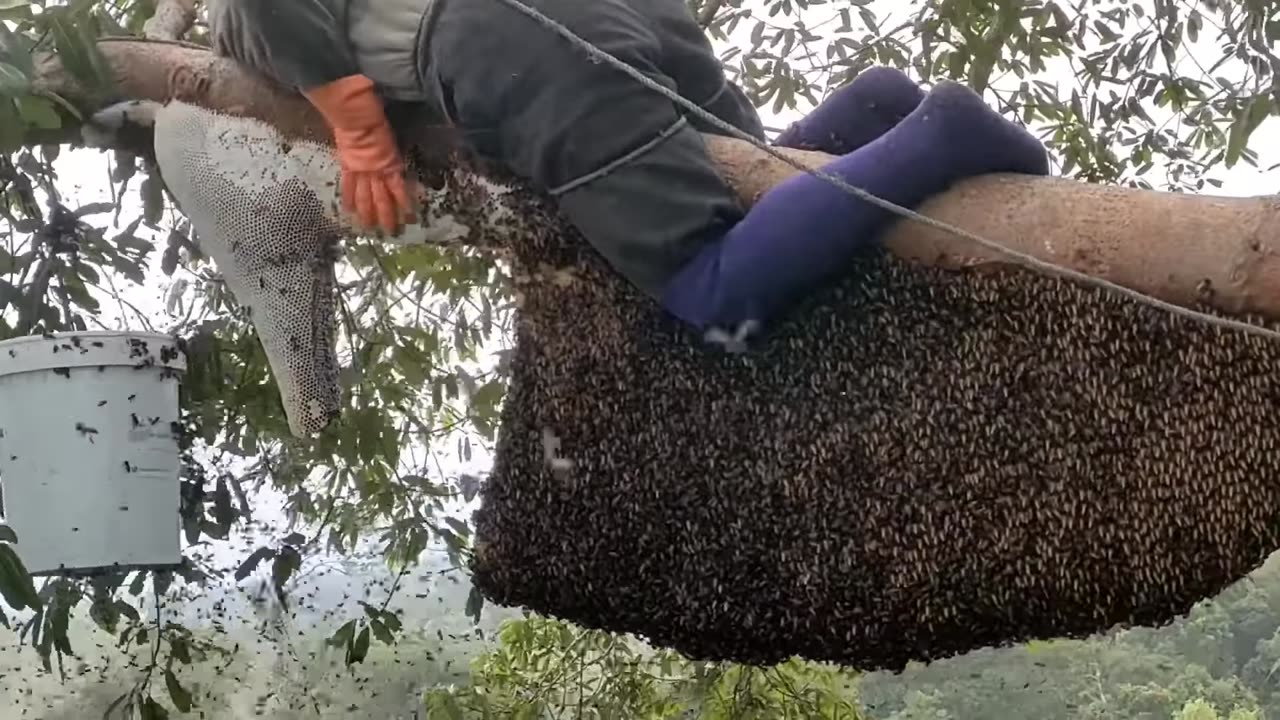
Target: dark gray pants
x=625, y=165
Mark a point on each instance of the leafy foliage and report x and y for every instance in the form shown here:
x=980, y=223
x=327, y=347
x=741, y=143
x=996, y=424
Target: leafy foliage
x=1214, y=664
x=1158, y=93
x=549, y=669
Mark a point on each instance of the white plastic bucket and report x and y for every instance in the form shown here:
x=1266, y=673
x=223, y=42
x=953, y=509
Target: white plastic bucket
x=89, y=453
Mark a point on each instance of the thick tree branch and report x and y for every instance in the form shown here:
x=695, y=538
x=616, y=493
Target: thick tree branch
x=1178, y=247
x=171, y=20
x=163, y=71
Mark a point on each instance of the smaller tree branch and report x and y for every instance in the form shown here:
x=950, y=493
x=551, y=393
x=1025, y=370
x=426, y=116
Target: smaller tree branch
x=171, y=20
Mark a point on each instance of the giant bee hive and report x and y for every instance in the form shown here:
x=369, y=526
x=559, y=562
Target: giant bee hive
x=918, y=464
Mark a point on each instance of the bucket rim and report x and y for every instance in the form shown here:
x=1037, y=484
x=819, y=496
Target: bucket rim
x=68, y=334
x=96, y=348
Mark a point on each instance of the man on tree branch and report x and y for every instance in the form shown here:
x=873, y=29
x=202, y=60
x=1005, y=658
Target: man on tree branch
x=624, y=164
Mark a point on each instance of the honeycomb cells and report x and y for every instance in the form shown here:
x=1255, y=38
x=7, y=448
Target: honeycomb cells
x=265, y=212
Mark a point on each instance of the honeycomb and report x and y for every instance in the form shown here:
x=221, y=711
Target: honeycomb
x=265, y=212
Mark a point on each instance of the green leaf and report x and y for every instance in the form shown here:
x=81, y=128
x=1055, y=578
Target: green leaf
x=109, y=26
x=94, y=209
x=286, y=563
x=1243, y=127
x=12, y=81
x=39, y=112
x=21, y=13
x=980, y=67
x=65, y=104
x=119, y=703
x=391, y=621
x=160, y=581
x=128, y=611
x=137, y=585
x=6, y=533
x=442, y=701
x=224, y=512
x=532, y=711
x=8, y=293
x=65, y=598
x=359, y=649
x=179, y=695
x=488, y=395
x=344, y=634
x=180, y=650
x=152, y=200
x=105, y=613
x=475, y=604
x=73, y=36
x=15, y=583
x=381, y=632
x=458, y=526
x=15, y=49
x=11, y=127
x=80, y=295
x=470, y=486
x=152, y=710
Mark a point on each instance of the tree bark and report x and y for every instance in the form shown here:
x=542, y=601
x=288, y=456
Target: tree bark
x=1181, y=248
x=171, y=20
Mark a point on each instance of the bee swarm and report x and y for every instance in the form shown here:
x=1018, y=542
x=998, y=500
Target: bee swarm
x=917, y=464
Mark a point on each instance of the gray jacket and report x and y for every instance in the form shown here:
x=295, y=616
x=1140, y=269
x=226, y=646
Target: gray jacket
x=324, y=40
x=625, y=165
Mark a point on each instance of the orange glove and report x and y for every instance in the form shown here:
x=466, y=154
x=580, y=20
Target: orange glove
x=373, y=185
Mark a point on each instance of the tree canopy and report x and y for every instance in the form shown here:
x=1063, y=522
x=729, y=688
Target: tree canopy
x=1157, y=94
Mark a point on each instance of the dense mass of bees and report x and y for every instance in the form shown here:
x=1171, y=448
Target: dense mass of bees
x=918, y=464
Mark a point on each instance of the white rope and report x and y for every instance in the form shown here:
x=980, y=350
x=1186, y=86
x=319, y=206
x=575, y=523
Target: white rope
x=599, y=55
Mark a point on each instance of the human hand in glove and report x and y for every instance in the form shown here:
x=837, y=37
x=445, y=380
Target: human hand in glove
x=373, y=184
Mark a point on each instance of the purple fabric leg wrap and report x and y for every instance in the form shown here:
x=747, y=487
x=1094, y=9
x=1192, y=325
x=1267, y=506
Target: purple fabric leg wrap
x=856, y=114
x=803, y=232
